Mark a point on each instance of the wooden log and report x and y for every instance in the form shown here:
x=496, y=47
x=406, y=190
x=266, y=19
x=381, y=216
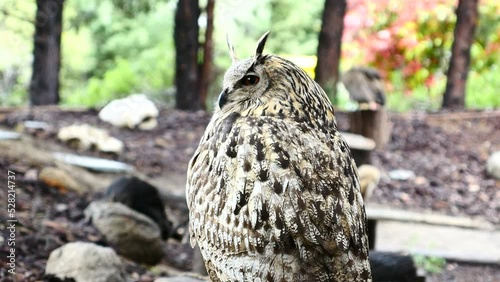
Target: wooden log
x=373, y=124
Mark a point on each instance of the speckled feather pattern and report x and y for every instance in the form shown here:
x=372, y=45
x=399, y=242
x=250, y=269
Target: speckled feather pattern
x=272, y=191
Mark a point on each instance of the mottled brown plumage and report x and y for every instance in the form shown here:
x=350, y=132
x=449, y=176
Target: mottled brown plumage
x=273, y=192
x=365, y=86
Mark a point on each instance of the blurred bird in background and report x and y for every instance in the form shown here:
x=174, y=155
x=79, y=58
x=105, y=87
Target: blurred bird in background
x=365, y=87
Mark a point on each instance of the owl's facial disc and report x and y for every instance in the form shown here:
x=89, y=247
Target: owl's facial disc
x=242, y=86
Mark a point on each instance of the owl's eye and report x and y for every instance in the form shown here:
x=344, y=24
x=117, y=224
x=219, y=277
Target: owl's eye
x=250, y=80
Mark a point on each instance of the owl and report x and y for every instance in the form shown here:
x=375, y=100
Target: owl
x=272, y=190
x=365, y=86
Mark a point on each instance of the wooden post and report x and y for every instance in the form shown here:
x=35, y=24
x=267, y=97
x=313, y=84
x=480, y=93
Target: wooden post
x=373, y=124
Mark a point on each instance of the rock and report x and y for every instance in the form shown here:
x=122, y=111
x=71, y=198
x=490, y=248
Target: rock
x=401, y=174
x=84, y=262
x=86, y=137
x=141, y=197
x=493, y=165
x=9, y=135
x=179, y=279
x=131, y=233
x=60, y=179
x=393, y=266
x=369, y=177
x=35, y=124
x=134, y=111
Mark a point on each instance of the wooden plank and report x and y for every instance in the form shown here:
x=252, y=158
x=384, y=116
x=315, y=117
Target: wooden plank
x=450, y=242
x=383, y=213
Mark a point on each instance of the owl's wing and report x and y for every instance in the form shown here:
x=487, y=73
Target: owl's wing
x=266, y=183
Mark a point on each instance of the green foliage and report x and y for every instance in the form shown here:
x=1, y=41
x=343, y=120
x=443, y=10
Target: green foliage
x=421, y=97
x=411, y=45
x=18, y=96
x=132, y=51
x=341, y=101
x=16, y=46
x=430, y=264
x=293, y=33
x=111, y=48
x=484, y=51
x=483, y=89
x=116, y=83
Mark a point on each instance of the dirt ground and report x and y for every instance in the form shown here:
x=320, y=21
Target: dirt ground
x=446, y=151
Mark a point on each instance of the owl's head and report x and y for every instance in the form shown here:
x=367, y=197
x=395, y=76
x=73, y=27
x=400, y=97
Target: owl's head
x=267, y=84
x=246, y=79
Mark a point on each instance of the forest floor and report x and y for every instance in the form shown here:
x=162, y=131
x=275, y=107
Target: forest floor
x=447, y=152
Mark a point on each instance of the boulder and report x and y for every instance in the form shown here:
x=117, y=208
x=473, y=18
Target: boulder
x=131, y=233
x=86, y=137
x=142, y=197
x=134, y=111
x=60, y=179
x=493, y=165
x=85, y=262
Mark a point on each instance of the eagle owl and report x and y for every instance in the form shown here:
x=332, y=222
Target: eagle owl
x=272, y=190
x=365, y=86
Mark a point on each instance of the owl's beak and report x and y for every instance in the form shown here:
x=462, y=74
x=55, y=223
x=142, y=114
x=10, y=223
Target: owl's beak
x=223, y=98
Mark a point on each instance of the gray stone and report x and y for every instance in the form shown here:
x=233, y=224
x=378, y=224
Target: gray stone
x=142, y=197
x=178, y=279
x=85, y=262
x=131, y=233
x=86, y=137
x=9, y=135
x=401, y=174
x=493, y=165
x=134, y=111
x=60, y=179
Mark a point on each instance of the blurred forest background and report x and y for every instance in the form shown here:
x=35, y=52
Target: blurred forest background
x=112, y=48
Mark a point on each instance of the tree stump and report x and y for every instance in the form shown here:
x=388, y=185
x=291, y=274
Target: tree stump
x=373, y=124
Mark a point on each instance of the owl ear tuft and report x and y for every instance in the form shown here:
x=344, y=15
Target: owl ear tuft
x=231, y=49
x=261, y=44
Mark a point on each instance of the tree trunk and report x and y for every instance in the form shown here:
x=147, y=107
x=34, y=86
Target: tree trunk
x=44, y=86
x=329, y=45
x=186, y=60
x=467, y=17
x=206, y=68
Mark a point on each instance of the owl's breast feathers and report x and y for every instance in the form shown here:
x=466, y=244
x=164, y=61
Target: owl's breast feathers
x=269, y=191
